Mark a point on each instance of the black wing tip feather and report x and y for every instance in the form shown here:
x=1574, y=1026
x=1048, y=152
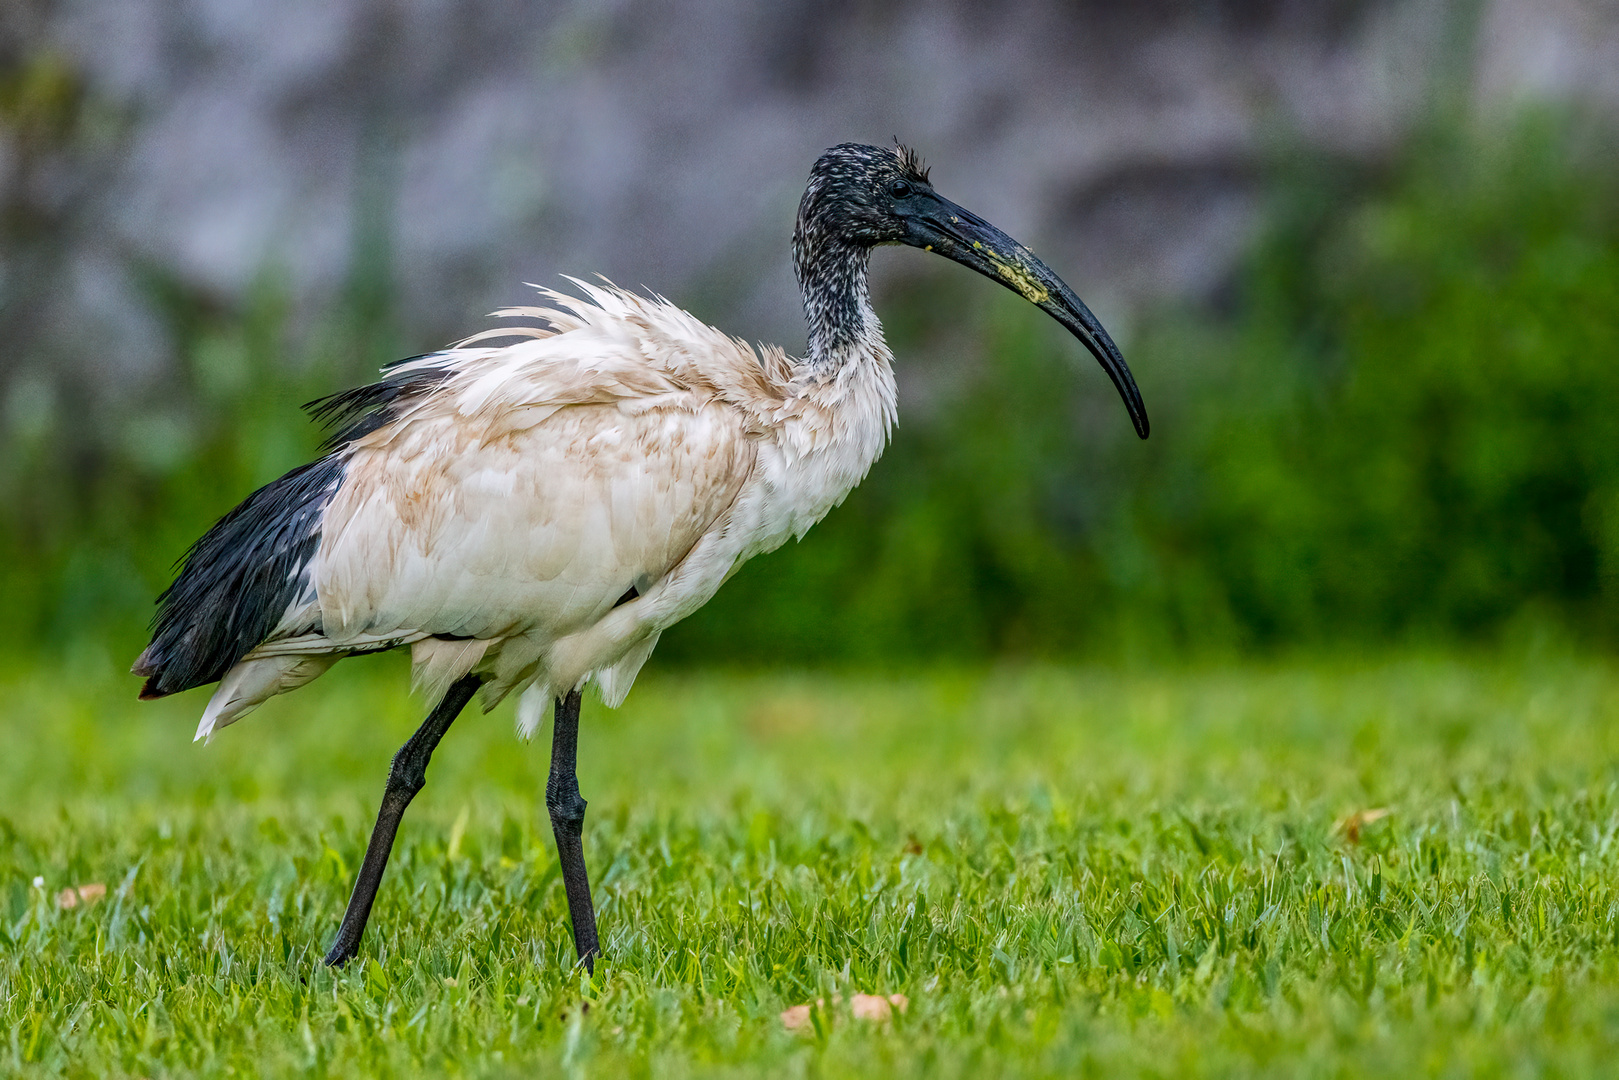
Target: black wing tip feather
x=358, y=411
x=145, y=668
x=236, y=583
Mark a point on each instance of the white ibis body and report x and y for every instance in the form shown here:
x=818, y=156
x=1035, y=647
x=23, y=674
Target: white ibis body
x=529, y=516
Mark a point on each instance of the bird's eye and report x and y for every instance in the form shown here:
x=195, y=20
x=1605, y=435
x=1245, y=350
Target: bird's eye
x=899, y=189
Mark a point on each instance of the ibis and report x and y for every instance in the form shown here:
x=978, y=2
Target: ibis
x=528, y=510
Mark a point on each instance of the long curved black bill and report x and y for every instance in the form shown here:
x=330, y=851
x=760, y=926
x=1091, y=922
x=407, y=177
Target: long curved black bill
x=936, y=224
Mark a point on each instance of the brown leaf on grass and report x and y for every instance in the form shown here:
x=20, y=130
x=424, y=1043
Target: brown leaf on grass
x=875, y=1007
x=795, y=1017
x=870, y=1007
x=74, y=895
x=1354, y=823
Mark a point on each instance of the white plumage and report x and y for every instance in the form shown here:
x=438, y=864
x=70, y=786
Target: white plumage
x=495, y=521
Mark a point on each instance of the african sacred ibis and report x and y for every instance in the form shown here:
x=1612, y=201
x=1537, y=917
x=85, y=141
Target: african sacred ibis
x=530, y=516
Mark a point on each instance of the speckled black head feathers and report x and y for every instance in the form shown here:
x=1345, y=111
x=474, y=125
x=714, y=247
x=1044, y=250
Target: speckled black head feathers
x=848, y=208
x=851, y=193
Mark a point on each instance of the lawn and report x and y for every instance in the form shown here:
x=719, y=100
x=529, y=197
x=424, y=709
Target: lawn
x=1331, y=867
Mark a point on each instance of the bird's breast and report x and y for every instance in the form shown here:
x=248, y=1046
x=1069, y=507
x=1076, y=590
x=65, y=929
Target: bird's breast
x=808, y=467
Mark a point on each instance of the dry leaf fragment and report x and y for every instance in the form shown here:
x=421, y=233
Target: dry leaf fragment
x=74, y=895
x=1352, y=825
x=874, y=1007
x=795, y=1017
x=871, y=1007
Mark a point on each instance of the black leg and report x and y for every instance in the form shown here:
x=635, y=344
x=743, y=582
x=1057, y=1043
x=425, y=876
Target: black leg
x=405, y=779
x=568, y=824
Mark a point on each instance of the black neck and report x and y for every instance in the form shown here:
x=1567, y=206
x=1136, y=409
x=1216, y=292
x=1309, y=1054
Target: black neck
x=832, y=275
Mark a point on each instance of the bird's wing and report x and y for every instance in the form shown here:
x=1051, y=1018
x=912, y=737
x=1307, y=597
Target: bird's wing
x=531, y=491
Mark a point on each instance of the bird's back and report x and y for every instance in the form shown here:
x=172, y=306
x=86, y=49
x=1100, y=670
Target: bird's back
x=482, y=504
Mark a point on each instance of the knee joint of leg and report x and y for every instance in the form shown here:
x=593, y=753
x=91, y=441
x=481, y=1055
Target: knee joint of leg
x=407, y=773
x=567, y=809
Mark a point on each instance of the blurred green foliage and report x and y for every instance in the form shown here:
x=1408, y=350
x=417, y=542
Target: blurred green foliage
x=1399, y=424
x=1403, y=427
x=1427, y=441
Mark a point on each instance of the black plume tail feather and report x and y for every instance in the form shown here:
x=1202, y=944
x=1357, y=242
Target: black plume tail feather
x=357, y=412
x=238, y=581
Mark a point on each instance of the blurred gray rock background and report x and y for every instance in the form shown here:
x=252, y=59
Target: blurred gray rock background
x=466, y=147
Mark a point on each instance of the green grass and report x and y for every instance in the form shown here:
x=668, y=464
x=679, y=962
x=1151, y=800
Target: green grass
x=1067, y=872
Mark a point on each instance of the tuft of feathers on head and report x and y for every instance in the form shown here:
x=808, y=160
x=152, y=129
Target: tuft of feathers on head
x=910, y=162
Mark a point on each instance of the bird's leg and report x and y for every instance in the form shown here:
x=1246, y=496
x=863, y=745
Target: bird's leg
x=567, y=823
x=405, y=778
